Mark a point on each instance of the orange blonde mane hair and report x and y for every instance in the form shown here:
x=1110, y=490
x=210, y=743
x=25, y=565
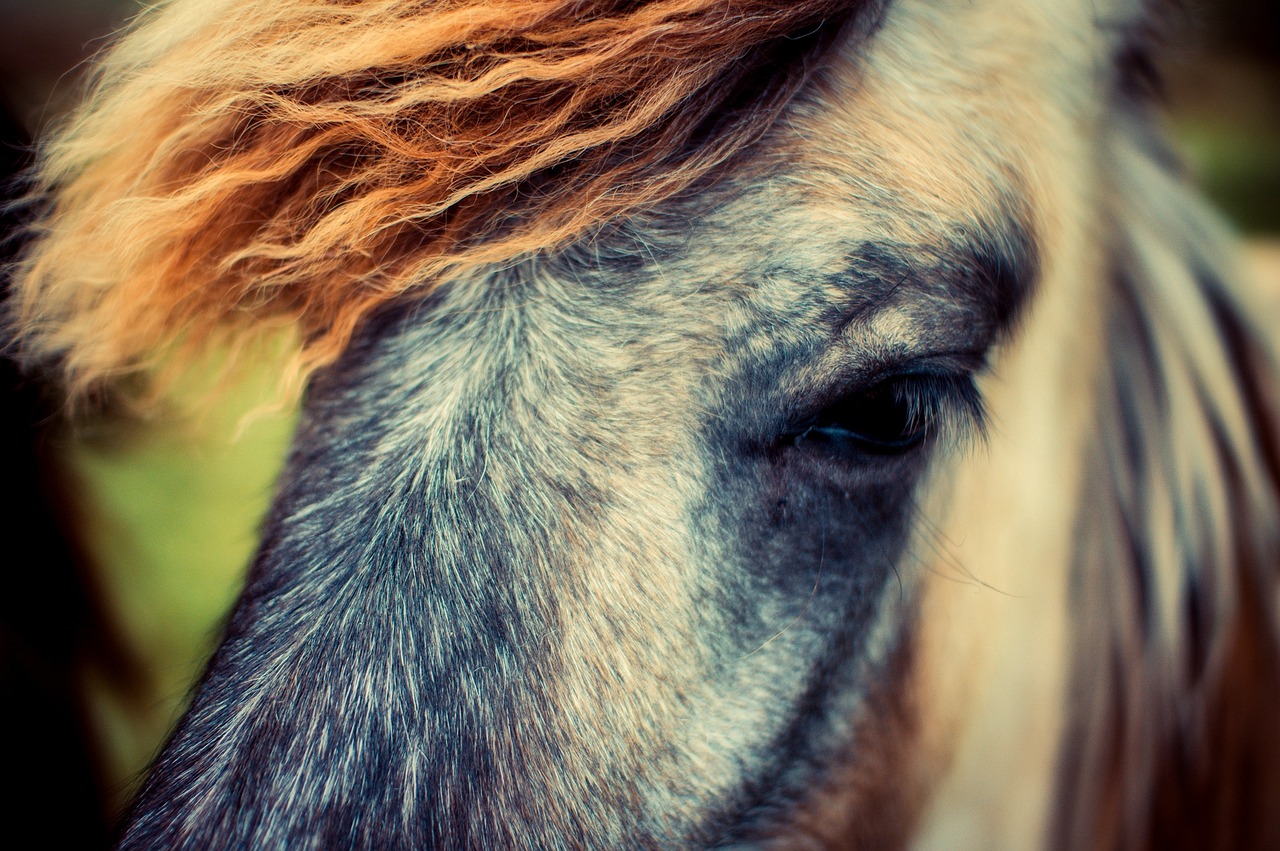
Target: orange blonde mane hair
x=243, y=164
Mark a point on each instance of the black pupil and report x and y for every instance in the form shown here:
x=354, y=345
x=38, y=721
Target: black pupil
x=880, y=419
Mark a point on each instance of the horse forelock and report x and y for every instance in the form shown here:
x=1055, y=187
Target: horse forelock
x=252, y=164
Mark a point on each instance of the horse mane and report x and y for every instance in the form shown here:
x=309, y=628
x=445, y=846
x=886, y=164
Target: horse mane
x=1172, y=738
x=242, y=165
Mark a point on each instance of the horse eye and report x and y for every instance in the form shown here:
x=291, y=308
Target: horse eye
x=888, y=418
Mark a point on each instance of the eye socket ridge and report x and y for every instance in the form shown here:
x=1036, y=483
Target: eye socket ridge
x=895, y=415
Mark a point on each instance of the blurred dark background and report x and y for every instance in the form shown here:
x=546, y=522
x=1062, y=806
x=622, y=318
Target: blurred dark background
x=1223, y=74
x=136, y=541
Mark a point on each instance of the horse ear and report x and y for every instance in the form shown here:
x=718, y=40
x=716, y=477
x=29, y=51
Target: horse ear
x=1173, y=738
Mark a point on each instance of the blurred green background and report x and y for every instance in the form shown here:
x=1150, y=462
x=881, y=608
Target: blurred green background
x=163, y=515
x=165, y=512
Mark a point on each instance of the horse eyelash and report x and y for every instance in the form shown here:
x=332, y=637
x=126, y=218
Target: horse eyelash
x=950, y=407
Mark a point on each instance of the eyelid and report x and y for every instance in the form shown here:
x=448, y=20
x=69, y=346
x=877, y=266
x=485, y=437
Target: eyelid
x=959, y=363
x=873, y=371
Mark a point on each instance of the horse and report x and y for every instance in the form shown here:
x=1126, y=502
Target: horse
x=752, y=424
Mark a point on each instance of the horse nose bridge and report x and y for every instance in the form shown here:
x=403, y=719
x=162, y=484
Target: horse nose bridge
x=510, y=517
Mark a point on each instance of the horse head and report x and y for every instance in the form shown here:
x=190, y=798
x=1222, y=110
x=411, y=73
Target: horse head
x=727, y=424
